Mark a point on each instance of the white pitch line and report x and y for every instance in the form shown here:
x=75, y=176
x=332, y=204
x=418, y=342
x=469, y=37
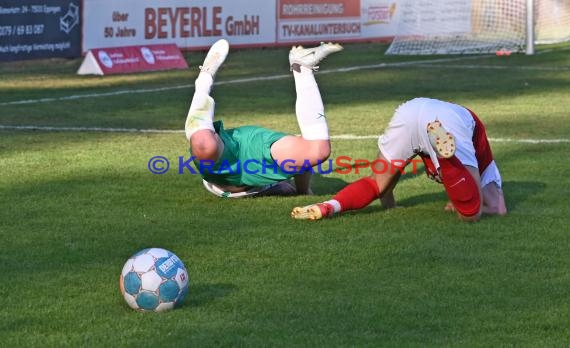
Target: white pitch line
x=416, y=64
x=176, y=131
x=87, y=129
x=495, y=67
x=96, y=95
x=529, y=141
x=496, y=140
x=227, y=82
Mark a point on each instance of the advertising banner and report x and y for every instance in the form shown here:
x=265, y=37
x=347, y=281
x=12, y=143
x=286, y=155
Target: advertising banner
x=197, y=24
x=121, y=60
x=314, y=20
x=379, y=18
x=437, y=17
x=39, y=29
x=189, y=24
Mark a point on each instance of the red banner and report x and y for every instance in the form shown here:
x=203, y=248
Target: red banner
x=318, y=20
x=297, y=9
x=121, y=60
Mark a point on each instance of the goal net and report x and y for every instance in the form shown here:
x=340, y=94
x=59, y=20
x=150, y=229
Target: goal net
x=476, y=26
x=552, y=21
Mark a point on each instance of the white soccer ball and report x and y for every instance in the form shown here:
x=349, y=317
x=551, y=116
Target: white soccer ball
x=154, y=280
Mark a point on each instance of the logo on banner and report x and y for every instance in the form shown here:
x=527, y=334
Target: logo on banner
x=105, y=59
x=147, y=55
x=128, y=59
x=70, y=19
x=379, y=14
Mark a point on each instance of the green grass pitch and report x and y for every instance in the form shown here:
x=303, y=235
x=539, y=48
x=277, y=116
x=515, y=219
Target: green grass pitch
x=74, y=205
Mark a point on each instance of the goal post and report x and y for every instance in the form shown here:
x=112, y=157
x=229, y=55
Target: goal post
x=529, y=27
x=478, y=26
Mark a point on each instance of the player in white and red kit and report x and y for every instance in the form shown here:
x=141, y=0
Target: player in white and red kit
x=453, y=144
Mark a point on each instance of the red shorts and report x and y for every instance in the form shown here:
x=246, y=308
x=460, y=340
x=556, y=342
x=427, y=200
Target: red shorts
x=481, y=143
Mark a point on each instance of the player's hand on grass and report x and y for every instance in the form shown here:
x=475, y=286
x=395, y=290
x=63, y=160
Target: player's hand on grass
x=449, y=207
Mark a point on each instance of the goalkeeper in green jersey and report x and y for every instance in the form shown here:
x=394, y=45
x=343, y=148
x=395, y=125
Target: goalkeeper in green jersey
x=251, y=160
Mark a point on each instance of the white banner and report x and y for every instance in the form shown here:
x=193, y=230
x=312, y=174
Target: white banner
x=378, y=18
x=438, y=17
x=189, y=24
x=196, y=24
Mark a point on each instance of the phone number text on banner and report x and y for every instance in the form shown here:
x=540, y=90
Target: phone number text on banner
x=39, y=29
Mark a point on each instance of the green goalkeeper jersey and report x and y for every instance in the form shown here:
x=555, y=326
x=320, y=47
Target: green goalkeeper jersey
x=246, y=160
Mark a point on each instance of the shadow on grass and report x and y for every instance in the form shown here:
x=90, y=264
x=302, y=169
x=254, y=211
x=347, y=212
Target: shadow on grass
x=202, y=294
x=327, y=185
x=517, y=192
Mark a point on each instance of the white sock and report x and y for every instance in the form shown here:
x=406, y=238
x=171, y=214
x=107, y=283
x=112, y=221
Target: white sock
x=201, y=113
x=335, y=204
x=309, y=106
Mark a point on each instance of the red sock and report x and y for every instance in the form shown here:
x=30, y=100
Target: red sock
x=358, y=194
x=460, y=186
